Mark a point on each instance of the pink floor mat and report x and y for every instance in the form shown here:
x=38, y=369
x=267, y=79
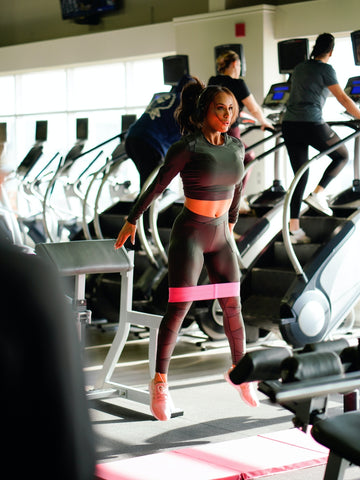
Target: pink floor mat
x=246, y=458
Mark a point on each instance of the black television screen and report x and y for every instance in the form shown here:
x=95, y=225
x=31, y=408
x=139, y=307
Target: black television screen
x=291, y=52
x=235, y=47
x=127, y=120
x=3, y=136
x=41, y=130
x=82, y=125
x=86, y=8
x=174, y=68
x=355, y=40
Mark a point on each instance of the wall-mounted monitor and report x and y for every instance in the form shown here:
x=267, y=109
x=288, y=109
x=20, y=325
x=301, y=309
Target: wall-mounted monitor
x=127, y=120
x=355, y=40
x=41, y=131
x=235, y=47
x=87, y=11
x=82, y=126
x=175, y=67
x=291, y=53
x=3, y=134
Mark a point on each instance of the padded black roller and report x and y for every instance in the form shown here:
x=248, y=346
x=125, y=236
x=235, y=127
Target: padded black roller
x=305, y=366
x=336, y=346
x=350, y=358
x=260, y=365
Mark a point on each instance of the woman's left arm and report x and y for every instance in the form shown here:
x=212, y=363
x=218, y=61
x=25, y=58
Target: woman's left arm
x=256, y=111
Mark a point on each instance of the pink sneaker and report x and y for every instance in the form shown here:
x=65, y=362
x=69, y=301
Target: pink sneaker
x=160, y=403
x=246, y=390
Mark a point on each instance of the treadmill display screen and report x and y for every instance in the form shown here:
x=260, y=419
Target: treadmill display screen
x=278, y=96
x=355, y=90
x=279, y=92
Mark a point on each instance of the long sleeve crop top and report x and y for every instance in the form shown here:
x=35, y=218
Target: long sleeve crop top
x=208, y=172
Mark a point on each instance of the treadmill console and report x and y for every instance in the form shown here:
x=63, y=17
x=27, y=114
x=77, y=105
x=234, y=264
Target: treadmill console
x=353, y=89
x=278, y=96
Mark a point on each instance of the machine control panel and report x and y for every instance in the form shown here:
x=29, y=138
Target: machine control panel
x=278, y=96
x=353, y=89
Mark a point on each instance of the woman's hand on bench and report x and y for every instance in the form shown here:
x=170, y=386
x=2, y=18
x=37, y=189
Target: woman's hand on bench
x=128, y=230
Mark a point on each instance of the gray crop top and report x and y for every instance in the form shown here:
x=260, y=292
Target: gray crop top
x=208, y=172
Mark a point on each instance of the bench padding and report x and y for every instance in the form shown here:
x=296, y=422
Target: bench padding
x=85, y=257
x=341, y=435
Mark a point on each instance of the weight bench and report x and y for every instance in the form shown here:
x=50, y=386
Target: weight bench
x=302, y=382
x=340, y=434
x=85, y=257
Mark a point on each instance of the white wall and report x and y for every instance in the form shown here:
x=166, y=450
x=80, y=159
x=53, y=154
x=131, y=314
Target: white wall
x=312, y=18
x=91, y=48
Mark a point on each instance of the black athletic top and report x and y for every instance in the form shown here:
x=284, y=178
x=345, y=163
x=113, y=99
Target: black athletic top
x=208, y=172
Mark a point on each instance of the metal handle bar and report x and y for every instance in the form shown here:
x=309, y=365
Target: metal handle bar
x=274, y=149
x=141, y=229
x=108, y=168
x=119, y=135
x=90, y=165
x=286, y=212
x=46, y=166
x=255, y=127
x=274, y=135
x=85, y=225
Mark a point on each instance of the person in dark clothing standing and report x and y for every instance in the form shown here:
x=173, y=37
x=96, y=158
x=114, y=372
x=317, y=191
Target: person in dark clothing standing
x=45, y=424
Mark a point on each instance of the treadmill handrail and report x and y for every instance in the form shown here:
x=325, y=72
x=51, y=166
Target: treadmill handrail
x=274, y=134
x=274, y=149
x=289, y=194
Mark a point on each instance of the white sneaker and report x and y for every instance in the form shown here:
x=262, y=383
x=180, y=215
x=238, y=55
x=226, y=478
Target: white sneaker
x=318, y=202
x=299, y=236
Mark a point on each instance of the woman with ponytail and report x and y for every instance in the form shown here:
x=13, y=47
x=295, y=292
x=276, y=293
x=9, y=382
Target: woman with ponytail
x=210, y=164
x=303, y=126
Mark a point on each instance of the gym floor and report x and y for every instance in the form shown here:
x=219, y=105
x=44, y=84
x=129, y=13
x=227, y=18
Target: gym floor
x=213, y=411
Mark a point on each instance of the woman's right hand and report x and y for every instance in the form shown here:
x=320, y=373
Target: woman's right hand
x=128, y=230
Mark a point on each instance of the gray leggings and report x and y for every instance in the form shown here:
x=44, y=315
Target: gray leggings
x=197, y=240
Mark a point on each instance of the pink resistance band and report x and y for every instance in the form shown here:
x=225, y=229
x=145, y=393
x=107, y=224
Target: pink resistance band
x=204, y=292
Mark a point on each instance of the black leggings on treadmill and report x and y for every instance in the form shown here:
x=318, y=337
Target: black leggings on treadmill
x=298, y=136
x=197, y=240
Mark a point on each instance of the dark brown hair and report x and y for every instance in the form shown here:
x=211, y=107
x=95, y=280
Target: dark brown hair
x=324, y=44
x=194, y=105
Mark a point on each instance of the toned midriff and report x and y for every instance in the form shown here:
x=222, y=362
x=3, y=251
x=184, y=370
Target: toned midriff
x=208, y=208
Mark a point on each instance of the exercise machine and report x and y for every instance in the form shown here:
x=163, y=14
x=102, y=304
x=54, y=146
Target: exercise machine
x=302, y=382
